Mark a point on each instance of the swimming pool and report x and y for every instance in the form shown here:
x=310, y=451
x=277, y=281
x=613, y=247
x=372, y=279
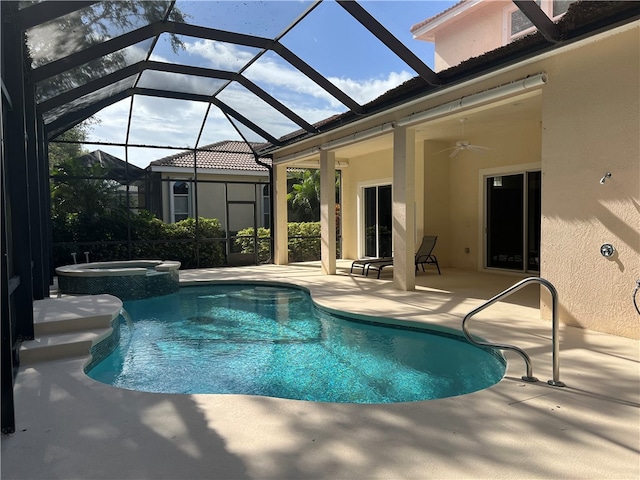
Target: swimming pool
x=270, y=340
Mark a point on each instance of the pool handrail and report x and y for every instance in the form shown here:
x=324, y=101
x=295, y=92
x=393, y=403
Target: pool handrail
x=554, y=326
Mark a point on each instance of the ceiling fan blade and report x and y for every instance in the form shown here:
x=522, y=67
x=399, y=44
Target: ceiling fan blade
x=445, y=150
x=455, y=152
x=479, y=149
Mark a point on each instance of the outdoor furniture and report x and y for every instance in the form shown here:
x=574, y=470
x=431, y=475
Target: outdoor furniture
x=424, y=255
x=365, y=263
x=378, y=266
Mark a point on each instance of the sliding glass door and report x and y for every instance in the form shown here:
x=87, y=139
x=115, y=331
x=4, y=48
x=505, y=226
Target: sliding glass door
x=513, y=221
x=377, y=221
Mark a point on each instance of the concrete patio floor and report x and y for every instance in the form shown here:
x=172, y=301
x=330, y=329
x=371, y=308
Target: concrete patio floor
x=70, y=426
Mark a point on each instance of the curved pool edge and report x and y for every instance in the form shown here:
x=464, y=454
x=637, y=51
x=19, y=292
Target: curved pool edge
x=348, y=315
x=388, y=322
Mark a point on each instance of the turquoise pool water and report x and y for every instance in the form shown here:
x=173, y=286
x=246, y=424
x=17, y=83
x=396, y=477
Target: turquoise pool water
x=272, y=341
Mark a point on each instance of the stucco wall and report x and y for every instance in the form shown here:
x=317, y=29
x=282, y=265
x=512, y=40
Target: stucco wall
x=470, y=36
x=366, y=168
x=454, y=194
x=211, y=198
x=591, y=126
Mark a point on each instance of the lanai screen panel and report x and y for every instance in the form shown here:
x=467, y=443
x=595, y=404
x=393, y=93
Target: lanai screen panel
x=203, y=53
x=267, y=19
x=292, y=88
x=330, y=50
x=251, y=107
x=89, y=99
x=91, y=25
x=93, y=70
x=165, y=121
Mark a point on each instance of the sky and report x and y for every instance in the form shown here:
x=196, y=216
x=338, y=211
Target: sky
x=328, y=39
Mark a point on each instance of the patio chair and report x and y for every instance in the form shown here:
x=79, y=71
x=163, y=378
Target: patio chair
x=424, y=255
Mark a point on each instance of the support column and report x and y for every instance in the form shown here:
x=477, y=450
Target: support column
x=328, y=212
x=280, y=234
x=404, y=209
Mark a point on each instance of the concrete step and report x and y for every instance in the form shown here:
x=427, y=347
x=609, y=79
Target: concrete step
x=69, y=326
x=56, y=346
x=74, y=313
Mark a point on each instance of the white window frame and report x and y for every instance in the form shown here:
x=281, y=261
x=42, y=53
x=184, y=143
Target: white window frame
x=266, y=204
x=360, y=212
x=507, y=37
x=172, y=203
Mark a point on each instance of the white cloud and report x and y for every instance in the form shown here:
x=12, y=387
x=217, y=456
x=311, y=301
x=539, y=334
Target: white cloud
x=363, y=91
x=167, y=122
x=220, y=55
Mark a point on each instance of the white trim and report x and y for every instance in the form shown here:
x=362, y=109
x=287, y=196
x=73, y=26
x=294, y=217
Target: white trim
x=482, y=206
x=455, y=11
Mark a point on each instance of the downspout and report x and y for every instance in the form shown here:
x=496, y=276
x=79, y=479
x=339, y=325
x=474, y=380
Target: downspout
x=272, y=189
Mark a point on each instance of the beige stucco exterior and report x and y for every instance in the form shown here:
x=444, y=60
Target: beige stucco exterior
x=212, y=197
x=486, y=25
x=582, y=122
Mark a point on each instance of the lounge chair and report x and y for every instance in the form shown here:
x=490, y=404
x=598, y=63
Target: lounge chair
x=378, y=266
x=365, y=263
x=424, y=255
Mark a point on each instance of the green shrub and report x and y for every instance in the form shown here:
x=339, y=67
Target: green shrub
x=304, y=241
x=166, y=241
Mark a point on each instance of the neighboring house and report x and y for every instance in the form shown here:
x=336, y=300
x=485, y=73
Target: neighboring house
x=116, y=170
x=558, y=179
x=230, y=185
x=473, y=27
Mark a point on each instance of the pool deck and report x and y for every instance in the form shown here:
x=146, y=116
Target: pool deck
x=70, y=426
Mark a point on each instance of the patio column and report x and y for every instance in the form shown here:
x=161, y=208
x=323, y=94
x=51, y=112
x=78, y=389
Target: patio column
x=328, y=212
x=281, y=234
x=404, y=209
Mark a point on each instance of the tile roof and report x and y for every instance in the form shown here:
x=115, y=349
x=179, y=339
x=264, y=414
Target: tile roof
x=224, y=155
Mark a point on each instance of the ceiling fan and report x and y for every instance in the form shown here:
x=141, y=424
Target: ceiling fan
x=464, y=145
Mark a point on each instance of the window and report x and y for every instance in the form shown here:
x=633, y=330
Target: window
x=180, y=201
x=378, y=221
x=266, y=206
x=517, y=24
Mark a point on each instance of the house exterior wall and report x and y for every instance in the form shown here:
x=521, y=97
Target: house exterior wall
x=455, y=207
x=370, y=169
x=591, y=126
x=584, y=122
x=212, y=199
x=483, y=32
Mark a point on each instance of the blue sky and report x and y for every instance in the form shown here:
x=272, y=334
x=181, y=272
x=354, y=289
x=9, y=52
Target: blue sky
x=328, y=39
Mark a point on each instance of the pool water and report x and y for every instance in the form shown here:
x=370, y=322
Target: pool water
x=272, y=341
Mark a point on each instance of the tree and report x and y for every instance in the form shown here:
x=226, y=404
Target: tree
x=88, y=26
x=304, y=196
x=84, y=189
x=60, y=152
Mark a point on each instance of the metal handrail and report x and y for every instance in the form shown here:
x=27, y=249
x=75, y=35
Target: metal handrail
x=554, y=326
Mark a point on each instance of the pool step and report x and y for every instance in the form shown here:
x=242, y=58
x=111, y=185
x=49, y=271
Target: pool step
x=68, y=326
x=57, y=346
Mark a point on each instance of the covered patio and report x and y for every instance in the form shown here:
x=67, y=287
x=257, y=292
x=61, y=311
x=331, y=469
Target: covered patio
x=74, y=427
x=557, y=109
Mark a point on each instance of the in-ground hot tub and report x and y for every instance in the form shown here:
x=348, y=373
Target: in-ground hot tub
x=127, y=280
